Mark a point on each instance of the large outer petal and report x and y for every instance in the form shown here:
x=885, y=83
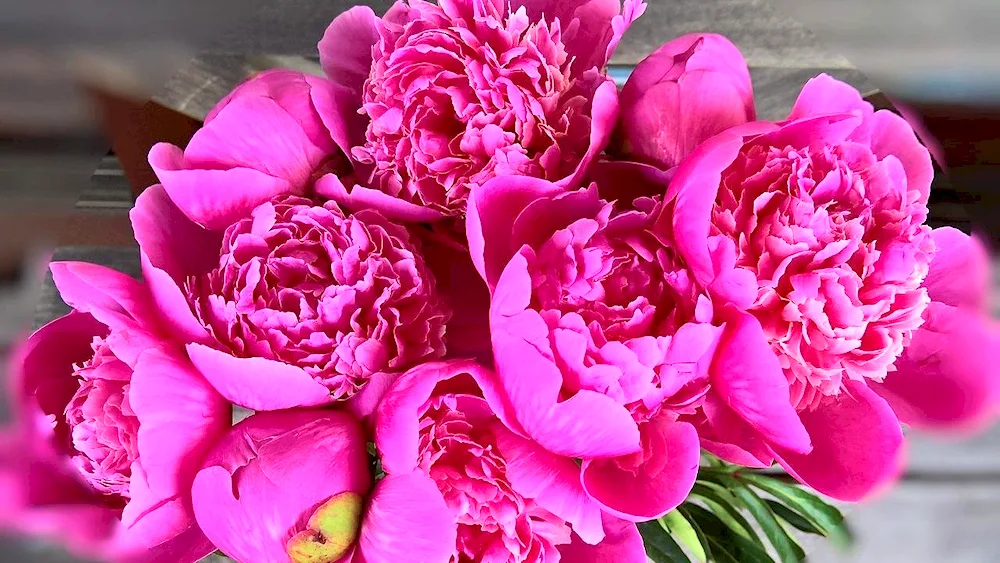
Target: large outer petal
x=856, y=441
x=623, y=544
x=959, y=273
x=587, y=425
x=113, y=298
x=553, y=482
x=658, y=484
x=345, y=51
x=603, y=117
x=407, y=520
x=258, y=383
x=948, y=377
x=825, y=95
x=263, y=480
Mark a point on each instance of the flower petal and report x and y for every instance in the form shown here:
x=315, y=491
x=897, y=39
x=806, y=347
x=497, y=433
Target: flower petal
x=257, y=383
x=172, y=242
x=112, y=297
x=345, y=51
x=647, y=485
x=603, y=117
x=825, y=95
x=959, y=273
x=360, y=197
x=407, y=520
x=623, y=544
x=892, y=135
x=856, y=445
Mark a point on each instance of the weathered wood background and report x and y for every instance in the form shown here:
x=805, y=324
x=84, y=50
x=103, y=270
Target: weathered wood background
x=948, y=505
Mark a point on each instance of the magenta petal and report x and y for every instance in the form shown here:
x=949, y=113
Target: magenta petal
x=748, y=378
x=360, y=197
x=959, y=273
x=949, y=375
x=622, y=544
x=180, y=415
x=337, y=107
x=648, y=485
x=892, y=135
x=856, y=445
x=625, y=181
x=257, y=383
x=170, y=239
x=407, y=520
x=171, y=303
x=366, y=401
x=213, y=198
x=553, y=482
x=492, y=210
x=824, y=95
x=112, y=297
x=603, y=117
x=345, y=52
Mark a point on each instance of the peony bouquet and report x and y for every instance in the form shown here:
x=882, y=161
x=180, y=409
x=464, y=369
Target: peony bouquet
x=478, y=305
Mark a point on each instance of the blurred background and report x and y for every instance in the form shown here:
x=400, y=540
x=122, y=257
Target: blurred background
x=87, y=86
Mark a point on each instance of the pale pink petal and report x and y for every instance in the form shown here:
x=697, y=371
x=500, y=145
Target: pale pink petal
x=959, y=273
x=949, y=375
x=214, y=198
x=257, y=383
x=360, y=197
x=407, y=520
x=345, y=51
x=492, y=210
x=856, y=443
x=553, y=482
x=623, y=544
x=747, y=376
x=647, y=485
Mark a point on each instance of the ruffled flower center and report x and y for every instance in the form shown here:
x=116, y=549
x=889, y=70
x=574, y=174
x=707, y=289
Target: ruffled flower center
x=465, y=91
x=613, y=297
x=840, y=250
x=103, y=428
x=342, y=297
x=458, y=449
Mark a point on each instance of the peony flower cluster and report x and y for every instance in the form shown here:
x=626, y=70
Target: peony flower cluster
x=484, y=308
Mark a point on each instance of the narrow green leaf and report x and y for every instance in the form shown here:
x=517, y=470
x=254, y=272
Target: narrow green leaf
x=660, y=547
x=793, y=518
x=823, y=515
x=726, y=546
x=702, y=538
x=783, y=545
x=720, y=501
x=679, y=528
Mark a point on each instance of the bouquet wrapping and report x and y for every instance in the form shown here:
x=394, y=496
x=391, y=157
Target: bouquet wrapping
x=483, y=306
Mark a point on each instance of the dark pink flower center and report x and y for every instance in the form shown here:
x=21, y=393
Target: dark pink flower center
x=840, y=250
x=342, y=297
x=103, y=429
x=458, y=449
x=466, y=91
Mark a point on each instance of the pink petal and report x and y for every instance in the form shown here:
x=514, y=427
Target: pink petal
x=856, y=446
x=180, y=418
x=623, y=544
x=553, y=482
x=257, y=383
x=603, y=117
x=949, y=375
x=214, y=198
x=892, y=135
x=112, y=297
x=647, y=485
x=149, y=519
x=360, y=197
x=748, y=378
x=173, y=307
x=337, y=106
x=365, y=402
x=171, y=241
x=959, y=273
x=345, y=52
x=624, y=181
x=492, y=210
x=407, y=520
x=825, y=95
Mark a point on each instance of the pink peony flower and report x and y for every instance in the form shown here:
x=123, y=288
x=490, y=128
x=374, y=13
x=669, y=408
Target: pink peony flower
x=699, y=84
x=948, y=377
x=461, y=91
x=605, y=346
x=114, y=423
x=284, y=486
x=296, y=304
x=498, y=496
x=827, y=210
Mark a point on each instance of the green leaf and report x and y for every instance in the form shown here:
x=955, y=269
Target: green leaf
x=788, y=551
x=823, y=515
x=719, y=500
x=678, y=527
x=793, y=518
x=660, y=547
x=726, y=546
